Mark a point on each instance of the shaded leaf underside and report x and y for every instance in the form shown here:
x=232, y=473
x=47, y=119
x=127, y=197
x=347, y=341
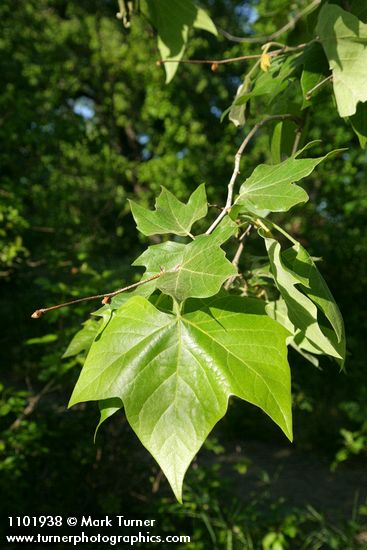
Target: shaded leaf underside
x=304, y=291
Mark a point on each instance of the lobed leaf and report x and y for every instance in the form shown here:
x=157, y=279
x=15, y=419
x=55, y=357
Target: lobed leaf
x=170, y=214
x=197, y=269
x=271, y=187
x=175, y=373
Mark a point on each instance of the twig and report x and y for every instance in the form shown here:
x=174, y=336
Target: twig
x=281, y=230
x=284, y=49
x=235, y=263
x=236, y=170
x=308, y=94
x=106, y=297
x=32, y=404
x=297, y=140
x=237, y=256
x=288, y=26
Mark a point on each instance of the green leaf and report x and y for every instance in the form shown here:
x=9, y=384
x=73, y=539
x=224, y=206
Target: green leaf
x=46, y=339
x=225, y=230
x=344, y=39
x=315, y=70
x=271, y=83
x=170, y=214
x=359, y=123
x=173, y=19
x=270, y=187
x=83, y=339
x=278, y=311
x=282, y=140
x=106, y=311
x=197, y=269
x=303, y=301
x=237, y=112
x=175, y=374
x=300, y=262
x=107, y=407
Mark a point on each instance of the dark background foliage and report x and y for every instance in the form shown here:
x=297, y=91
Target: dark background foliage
x=86, y=123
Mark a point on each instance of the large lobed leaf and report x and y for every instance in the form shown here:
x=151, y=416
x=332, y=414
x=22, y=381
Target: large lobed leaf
x=175, y=373
x=344, y=39
x=170, y=214
x=271, y=187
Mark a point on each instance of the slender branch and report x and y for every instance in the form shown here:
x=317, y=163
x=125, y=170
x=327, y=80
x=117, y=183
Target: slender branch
x=284, y=49
x=288, y=26
x=235, y=262
x=32, y=404
x=245, y=234
x=236, y=170
x=308, y=94
x=284, y=232
x=237, y=256
x=297, y=140
x=106, y=297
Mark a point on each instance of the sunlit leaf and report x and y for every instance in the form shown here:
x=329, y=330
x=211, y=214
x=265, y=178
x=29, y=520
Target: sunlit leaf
x=197, y=269
x=271, y=187
x=107, y=408
x=175, y=373
x=173, y=19
x=170, y=214
x=344, y=39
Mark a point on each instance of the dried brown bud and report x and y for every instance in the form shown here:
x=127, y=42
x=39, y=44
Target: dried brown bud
x=214, y=67
x=106, y=300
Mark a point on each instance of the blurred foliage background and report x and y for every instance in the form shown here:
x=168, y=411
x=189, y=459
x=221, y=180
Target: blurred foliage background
x=86, y=123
